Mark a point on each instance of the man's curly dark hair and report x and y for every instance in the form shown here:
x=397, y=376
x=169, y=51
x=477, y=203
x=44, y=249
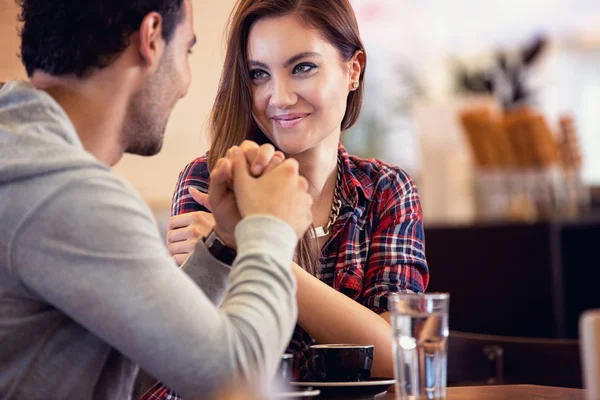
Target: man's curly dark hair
x=63, y=37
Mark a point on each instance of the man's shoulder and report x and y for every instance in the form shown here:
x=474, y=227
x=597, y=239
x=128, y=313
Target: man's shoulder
x=88, y=194
x=102, y=186
x=88, y=213
x=96, y=211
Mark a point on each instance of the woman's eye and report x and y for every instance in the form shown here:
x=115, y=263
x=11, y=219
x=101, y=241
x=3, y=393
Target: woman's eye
x=303, y=68
x=257, y=74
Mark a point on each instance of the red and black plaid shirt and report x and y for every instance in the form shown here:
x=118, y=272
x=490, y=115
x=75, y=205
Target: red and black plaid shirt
x=376, y=248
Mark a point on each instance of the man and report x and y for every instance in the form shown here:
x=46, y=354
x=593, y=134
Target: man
x=88, y=290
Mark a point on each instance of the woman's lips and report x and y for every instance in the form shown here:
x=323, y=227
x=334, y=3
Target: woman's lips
x=289, y=120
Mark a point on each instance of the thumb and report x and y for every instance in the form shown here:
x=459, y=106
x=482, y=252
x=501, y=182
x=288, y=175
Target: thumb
x=239, y=164
x=199, y=197
x=219, y=182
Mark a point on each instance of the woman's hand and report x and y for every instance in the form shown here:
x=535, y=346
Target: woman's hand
x=186, y=229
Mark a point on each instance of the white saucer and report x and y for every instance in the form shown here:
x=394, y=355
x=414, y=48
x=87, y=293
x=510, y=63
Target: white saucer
x=370, y=387
x=296, y=394
x=345, y=384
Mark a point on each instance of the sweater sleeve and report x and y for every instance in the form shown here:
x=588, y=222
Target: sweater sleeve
x=92, y=250
x=209, y=273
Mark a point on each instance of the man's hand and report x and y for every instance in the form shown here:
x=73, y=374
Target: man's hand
x=185, y=230
x=280, y=191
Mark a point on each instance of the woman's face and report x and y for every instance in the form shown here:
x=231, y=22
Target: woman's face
x=300, y=84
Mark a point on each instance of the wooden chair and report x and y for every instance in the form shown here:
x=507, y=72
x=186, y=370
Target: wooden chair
x=476, y=359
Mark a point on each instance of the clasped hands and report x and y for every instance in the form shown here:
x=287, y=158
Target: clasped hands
x=249, y=180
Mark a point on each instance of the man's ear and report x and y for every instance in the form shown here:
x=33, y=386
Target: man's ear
x=151, y=42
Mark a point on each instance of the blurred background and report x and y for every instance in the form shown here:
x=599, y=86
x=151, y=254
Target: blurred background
x=493, y=108
x=433, y=61
x=429, y=61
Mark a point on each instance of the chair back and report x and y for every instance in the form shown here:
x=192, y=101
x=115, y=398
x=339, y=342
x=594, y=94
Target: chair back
x=475, y=359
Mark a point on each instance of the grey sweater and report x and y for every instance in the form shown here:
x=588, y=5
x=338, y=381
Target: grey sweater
x=88, y=290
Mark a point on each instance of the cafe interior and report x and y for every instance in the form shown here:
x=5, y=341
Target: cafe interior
x=494, y=109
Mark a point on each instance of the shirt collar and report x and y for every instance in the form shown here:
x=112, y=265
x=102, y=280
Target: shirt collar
x=357, y=186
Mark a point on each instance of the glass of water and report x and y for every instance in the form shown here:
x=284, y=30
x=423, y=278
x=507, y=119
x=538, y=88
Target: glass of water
x=420, y=326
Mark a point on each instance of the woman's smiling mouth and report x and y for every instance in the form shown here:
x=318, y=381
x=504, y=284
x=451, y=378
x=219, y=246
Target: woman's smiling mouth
x=289, y=120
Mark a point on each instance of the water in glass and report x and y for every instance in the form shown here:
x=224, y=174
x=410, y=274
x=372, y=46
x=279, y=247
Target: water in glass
x=420, y=342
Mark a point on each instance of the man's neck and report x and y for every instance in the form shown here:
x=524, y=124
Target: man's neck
x=96, y=109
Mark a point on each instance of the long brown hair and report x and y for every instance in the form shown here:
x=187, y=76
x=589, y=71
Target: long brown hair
x=231, y=120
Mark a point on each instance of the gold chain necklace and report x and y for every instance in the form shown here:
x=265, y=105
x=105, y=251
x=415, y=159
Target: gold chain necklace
x=336, y=206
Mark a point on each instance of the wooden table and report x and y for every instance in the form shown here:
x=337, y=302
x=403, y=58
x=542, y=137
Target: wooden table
x=507, y=392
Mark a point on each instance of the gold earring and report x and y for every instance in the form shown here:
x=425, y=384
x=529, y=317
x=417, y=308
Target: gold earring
x=355, y=85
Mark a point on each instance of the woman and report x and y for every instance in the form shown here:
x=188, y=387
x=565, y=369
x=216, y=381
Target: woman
x=292, y=77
